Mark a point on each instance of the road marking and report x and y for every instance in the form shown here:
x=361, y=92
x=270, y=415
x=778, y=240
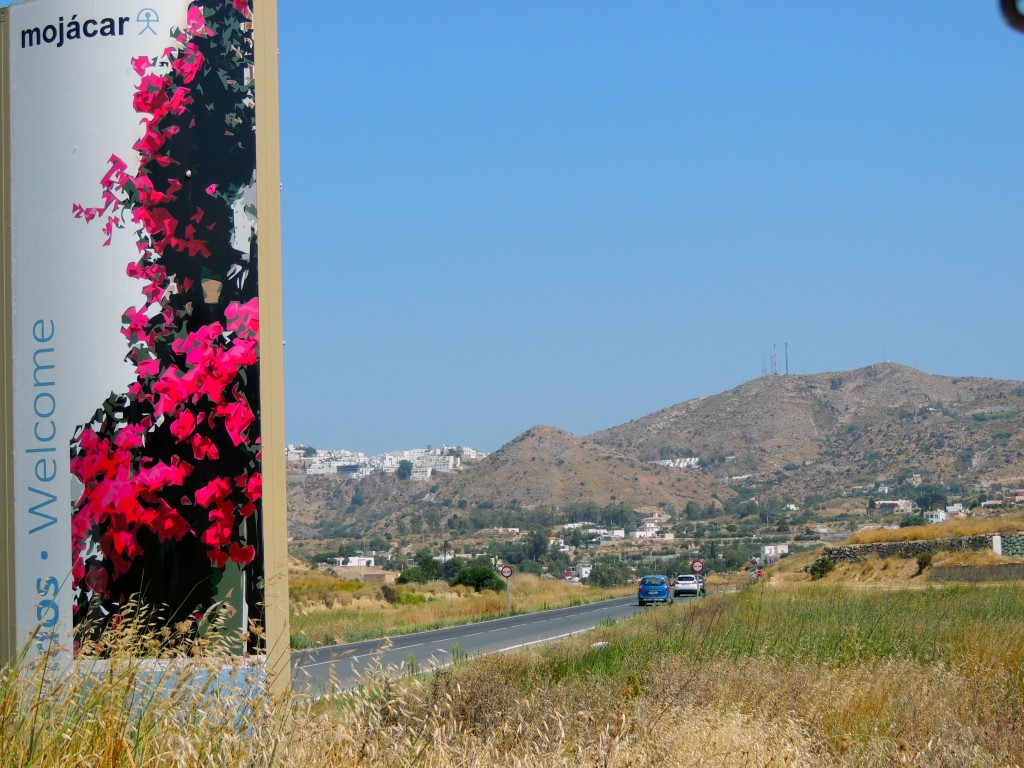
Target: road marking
x=542, y=640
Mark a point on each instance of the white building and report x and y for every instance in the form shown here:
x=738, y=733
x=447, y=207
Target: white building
x=937, y=516
x=606, y=534
x=356, y=561
x=644, y=533
x=771, y=553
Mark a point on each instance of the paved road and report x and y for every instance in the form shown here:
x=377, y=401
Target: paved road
x=312, y=670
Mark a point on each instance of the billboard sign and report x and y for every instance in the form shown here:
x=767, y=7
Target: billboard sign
x=134, y=320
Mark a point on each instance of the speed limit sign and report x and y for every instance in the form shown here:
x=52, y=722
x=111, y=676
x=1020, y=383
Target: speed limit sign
x=697, y=566
x=506, y=571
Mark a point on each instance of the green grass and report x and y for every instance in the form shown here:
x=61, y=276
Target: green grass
x=821, y=625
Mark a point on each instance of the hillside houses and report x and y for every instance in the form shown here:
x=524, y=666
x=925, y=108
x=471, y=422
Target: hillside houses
x=425, y=461
x=895, y=506
x=688, y=462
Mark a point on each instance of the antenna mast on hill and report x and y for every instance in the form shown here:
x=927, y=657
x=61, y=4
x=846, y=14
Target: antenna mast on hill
x=787, y=358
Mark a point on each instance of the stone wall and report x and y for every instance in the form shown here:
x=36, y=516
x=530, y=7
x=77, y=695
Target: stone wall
x=1013, y=545
x=855, y=553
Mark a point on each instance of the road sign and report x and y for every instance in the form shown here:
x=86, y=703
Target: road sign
x=760, y=574
x=697, y=566
x=506, y=571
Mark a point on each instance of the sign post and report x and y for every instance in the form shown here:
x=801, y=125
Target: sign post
x=697, y=566
x=506, y=573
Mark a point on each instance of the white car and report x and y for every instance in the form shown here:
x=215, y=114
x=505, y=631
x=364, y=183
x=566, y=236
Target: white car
x=688, y=584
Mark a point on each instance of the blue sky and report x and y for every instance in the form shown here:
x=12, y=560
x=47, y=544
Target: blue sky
x=504, y=214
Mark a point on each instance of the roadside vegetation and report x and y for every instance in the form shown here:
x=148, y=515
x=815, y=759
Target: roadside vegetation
x=326, y=609
x=809, y=675
x=948, y=529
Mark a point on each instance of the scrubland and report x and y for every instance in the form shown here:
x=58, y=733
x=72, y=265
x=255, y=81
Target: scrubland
x=806, y=675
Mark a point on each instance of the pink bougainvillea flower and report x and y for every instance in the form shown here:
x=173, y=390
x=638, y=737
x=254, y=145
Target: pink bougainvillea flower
x=149, y=367
x=171, y=526
x=129, y=437
x=213, y=493
x=212, y=189
x=221, y=522
x=238, y=416
x=170, y=390
x=204, y=448
x=189, y=64
x=183, y=425
x=140, y=64
x=254, y=488
x=241, y=555
x=197, y=22
x=218, y=557
x=242, y=6
x=244, y=319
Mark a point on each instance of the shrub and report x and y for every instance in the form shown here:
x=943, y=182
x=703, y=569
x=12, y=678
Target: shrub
x=416, y=575
x=820, y=567
x=479, y=577
x=923, y=561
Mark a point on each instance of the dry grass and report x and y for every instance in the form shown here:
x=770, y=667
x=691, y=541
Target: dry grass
x=326, y=609
x=960, y=527
x=816, y=676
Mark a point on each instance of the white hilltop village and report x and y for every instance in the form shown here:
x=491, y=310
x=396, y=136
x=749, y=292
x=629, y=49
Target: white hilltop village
x=425, y=461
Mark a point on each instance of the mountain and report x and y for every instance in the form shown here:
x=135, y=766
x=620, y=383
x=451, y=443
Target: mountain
x=825, y=434
x=549, y=466
x=782, y=437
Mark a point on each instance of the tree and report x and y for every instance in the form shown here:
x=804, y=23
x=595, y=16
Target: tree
x=930, y=497
x=531, y=566
x=479, y=577
x=710, y=551
x=609, y=574
x=428, y=564
x=537, y=544
x=404, y=471
x=450, y=568
x=346, y=550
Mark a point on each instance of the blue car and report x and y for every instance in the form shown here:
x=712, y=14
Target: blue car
x=654, y=589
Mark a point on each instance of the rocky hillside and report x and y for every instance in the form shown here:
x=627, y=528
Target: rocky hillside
x=784, y=437
x=827, y=433
x=549, y=466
